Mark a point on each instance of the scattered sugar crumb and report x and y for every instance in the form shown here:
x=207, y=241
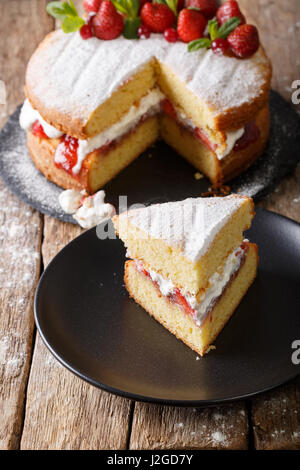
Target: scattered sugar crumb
x=296, y=200
x=197, y=358
x=218, y=437
x=179, y=425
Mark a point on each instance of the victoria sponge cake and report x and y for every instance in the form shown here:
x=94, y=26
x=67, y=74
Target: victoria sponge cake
x=190, y=265
x=95, y=99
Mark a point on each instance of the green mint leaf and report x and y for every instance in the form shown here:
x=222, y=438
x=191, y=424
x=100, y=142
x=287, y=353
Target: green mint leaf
x=73, y=7
x=131, y=26
x=120, y=6
x=213, y=29
x=193, y=8
x=160, y=1
x=70, y=8
x=199, y=44
x=56, y=10
x=228, y=27
x=172, y=4
x=72, y=23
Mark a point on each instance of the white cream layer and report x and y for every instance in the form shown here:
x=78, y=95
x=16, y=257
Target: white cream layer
x=217, y=284
x=150, y=103
x=28, y=116
x=231, y=137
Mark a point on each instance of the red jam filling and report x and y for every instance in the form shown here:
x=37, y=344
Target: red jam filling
x=179, y=299
x=38, y=131
x=66, y=153
x=169, y=109
x=201, y=135
x=175, y=296
x=251, y=134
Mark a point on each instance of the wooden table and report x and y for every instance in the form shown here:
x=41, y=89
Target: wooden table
x=42, y=405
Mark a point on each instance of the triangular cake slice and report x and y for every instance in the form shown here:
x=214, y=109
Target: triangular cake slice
x=190, y=266
x=186, y=241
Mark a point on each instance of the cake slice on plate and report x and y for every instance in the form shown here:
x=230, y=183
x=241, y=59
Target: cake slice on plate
x=190, y=266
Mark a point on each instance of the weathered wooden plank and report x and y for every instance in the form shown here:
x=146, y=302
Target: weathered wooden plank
x=62, y=411
x=156, y=427
x=276, y=418
x=279, y=29
x=164, y=427
x=22, y=26
x=275, y=415
x=285, y=199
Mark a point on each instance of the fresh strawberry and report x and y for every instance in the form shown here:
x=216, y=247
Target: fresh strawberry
x=208, y=8
x=86, y=31
x=91, y=6
x=142, y=3
x=38, y=131
x=244, y=40
x=220, y=46
x=229, y=10
x=144, y=31
x=66, y=153
x=157, y=16
x=107, y=23
x=170, y=35
x=191, y=25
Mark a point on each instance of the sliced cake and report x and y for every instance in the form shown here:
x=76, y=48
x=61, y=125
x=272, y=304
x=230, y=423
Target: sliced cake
x=190, y=266
x=94, y=105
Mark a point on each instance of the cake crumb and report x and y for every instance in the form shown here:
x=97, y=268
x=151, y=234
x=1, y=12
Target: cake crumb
x=211, y=347
x=198, y=176
x=215, y=191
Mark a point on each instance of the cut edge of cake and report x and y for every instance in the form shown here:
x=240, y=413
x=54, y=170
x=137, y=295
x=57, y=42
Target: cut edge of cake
x=144, y=291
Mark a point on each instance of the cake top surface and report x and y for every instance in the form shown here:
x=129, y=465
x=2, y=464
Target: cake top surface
x=191, y=225
x=74, y=76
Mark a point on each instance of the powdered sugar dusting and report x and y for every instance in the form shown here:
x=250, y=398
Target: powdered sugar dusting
x=78, y=76
x=190, y=224
x=22, y=175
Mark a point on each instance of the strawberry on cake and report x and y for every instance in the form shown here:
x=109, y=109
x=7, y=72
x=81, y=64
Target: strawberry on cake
x=190, y=266
x=102, y=89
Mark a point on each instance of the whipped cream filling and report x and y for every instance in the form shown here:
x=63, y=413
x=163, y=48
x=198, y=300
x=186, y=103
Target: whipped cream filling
x=149, y=104
x=28, y=116
x=87, y=211
x=70, y=200
x=217, y=283
x=231, y=136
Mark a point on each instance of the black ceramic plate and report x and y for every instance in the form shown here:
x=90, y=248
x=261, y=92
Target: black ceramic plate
x=145, y=179
x=87, y=320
